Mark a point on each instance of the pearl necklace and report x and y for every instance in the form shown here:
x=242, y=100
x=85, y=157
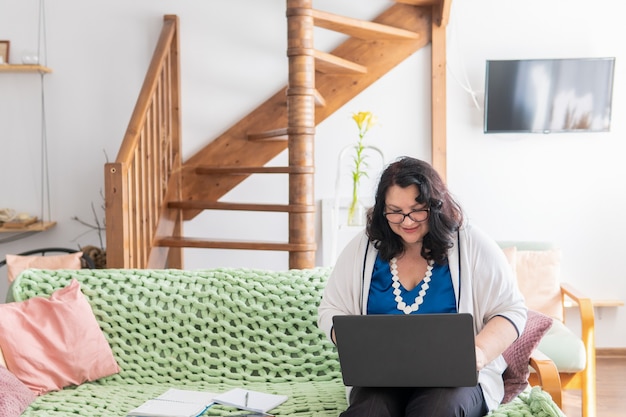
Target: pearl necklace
x=402, y=306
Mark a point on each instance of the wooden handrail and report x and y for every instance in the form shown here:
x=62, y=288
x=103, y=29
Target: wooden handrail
x=147, y=169
x=140, y=113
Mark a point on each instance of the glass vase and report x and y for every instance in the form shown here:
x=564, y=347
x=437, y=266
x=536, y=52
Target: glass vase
x=356, y=210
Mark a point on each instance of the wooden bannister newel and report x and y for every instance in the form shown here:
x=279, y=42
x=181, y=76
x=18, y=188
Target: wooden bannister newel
x=116, y=203
x=301, y=126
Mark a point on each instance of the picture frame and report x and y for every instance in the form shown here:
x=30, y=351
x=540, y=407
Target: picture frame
x=4, y=51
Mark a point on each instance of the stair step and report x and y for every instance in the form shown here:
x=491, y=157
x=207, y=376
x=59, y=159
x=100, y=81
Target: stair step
x=331, y=64
x=361, y=29
x=419, y=2
x=191, y=242
x=239, y=170
x=269, y=135
x=216, y=205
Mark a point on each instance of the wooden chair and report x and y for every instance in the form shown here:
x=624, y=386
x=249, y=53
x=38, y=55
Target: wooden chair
x=546, y=375
x=537, y=266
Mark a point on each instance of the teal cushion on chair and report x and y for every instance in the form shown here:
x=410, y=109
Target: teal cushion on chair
x=566, y=350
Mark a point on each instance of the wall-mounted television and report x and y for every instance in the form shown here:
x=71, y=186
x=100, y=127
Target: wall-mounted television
x=548, y=95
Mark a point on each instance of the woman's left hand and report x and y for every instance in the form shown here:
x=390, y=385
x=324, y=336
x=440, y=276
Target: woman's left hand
x=493, y=339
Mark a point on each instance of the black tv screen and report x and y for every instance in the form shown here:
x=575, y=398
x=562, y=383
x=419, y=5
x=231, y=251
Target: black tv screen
x=548, y=95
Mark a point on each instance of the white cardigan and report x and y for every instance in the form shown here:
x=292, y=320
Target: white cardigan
x=485, y=288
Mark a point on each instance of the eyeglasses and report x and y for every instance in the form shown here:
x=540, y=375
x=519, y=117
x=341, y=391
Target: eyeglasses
x=415, y=215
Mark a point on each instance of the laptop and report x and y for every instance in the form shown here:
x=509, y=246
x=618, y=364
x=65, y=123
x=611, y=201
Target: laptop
x=416, y=350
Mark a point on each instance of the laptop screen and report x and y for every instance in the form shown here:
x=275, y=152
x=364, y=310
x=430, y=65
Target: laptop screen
x=416, y=350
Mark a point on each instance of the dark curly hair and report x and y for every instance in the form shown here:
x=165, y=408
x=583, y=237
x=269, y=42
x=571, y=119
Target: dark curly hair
x=444, y=219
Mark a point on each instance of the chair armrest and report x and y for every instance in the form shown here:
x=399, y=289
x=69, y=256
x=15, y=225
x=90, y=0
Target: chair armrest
x=584, y=303
x=587, y=316
x=547, y=374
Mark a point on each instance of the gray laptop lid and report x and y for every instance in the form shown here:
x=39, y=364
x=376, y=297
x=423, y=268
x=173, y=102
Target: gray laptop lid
x=416, y=350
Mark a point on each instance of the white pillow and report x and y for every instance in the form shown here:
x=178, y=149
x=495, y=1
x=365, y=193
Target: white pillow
x=538, y=278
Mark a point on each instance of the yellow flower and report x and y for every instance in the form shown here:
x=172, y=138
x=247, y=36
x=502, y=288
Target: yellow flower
x=364, y=121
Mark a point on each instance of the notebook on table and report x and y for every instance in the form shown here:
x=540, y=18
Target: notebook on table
x=416, y=350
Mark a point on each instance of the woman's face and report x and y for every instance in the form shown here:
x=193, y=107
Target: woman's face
x=403, y=200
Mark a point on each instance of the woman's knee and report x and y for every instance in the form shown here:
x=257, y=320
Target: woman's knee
x=377, y=402
x=447, y=402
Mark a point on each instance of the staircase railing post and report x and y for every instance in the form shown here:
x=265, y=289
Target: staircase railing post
x=116, y=212
x=301, y=126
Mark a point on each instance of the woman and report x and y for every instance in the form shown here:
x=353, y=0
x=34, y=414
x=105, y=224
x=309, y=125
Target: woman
x=418, y=256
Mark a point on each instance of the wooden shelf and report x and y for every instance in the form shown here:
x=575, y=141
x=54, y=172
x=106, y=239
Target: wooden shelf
x=607, y=303
x=598, y=303
x=24, y=68
x=35, y=227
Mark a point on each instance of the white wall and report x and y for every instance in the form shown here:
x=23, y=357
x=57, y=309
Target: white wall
x=566, y=188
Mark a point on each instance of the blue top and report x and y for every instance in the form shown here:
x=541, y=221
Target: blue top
x=439, y=297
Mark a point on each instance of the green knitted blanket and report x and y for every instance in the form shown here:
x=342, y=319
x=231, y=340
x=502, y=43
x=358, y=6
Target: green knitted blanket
x=210, y=330
x=531, y=402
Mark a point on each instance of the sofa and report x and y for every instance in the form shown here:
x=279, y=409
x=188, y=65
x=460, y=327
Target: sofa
x=208, y=330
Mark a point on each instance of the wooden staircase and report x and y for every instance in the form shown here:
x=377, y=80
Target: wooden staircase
x=319, y=83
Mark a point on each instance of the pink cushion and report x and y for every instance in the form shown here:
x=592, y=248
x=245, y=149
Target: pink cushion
x=518, y=354
x=14, y=395
x=52, y=343
x=17, y=263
